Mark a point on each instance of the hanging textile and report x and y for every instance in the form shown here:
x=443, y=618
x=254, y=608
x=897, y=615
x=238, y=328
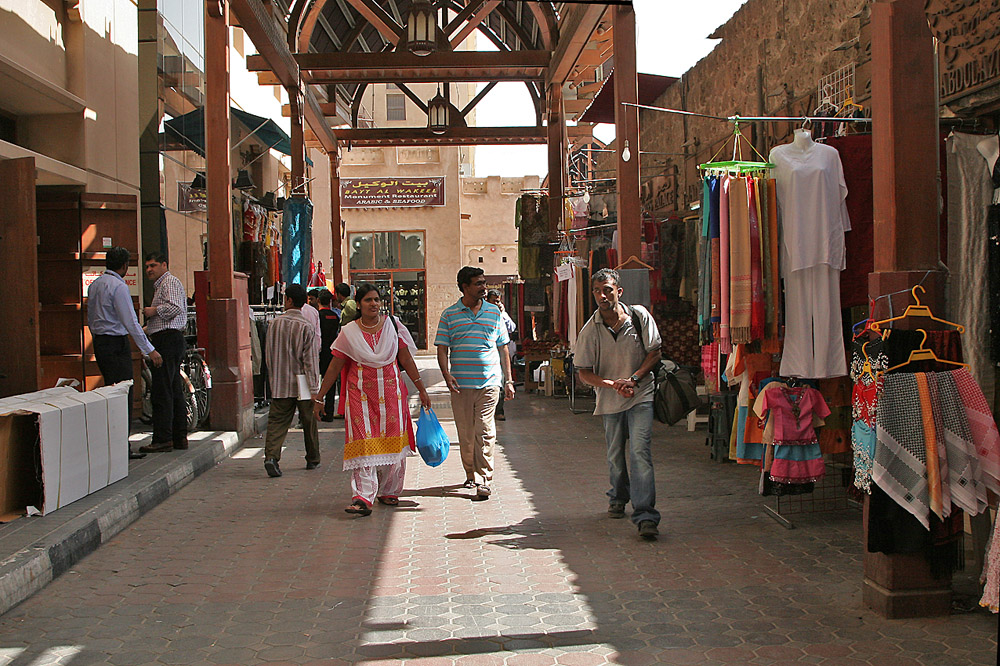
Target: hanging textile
x=635, y=286
x=740, y=289
x=297, y=240
x=713, y=234
x=725, y=335
x=756, y=271
x=704, y=268
x=811, y=194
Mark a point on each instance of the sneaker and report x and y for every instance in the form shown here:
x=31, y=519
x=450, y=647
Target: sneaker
x=483, y=491
x=647, y=530
x=312, y=465
x=271, y=465
x=616, y=510
x=500, y=417
x=469, y=483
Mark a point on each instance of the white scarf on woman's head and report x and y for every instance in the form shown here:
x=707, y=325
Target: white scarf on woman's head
x=351, y=342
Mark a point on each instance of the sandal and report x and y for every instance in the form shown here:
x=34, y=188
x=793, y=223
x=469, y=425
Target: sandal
x=359, y=507
x=389, y=501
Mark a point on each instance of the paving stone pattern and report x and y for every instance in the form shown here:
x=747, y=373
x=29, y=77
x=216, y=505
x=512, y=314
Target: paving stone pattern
x=237, y=568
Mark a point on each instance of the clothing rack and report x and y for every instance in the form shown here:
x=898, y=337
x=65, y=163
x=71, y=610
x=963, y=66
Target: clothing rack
x=752, y=119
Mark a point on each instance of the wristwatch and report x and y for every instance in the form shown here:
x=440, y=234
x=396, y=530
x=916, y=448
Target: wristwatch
x=634, y=378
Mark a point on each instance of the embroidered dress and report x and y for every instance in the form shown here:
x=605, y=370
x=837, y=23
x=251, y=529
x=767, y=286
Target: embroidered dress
x=797, y=456
x=864, y=402
x=377, y=420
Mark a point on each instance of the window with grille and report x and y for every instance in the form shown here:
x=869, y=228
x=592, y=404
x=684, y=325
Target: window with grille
x=395, y=104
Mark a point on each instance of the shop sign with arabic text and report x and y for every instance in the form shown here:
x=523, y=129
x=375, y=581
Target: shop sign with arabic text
x=391, y=192
x=968, y=32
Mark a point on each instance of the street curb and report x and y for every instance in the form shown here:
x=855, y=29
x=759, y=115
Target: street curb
x=34, y=567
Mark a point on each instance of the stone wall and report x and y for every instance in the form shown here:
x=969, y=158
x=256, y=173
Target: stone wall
x=771, y=58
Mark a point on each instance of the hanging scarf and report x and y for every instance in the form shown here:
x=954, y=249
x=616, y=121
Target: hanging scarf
x=756, y=274
x=983, y=428
x=774, y=303
x=704, y=269
x=740, y=293
x=933, y=457
x=965, y=479
x=900, y=465
x=713, y=222
x=725, y=342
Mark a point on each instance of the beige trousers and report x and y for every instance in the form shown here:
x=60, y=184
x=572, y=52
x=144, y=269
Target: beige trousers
x=477, y=431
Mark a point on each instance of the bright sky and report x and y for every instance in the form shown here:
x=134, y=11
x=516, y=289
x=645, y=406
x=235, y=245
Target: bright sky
x=671, y=36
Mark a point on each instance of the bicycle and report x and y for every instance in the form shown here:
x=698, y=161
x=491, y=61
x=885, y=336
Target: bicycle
x=197, y=380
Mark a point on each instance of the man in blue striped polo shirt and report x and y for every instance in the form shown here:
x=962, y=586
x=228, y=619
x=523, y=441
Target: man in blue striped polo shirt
x=473, y=331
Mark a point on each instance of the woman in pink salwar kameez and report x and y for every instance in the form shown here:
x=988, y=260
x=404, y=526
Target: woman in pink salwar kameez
x=378, y=429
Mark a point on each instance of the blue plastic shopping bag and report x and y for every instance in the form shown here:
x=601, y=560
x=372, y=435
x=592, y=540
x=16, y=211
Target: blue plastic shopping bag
x=432, y=441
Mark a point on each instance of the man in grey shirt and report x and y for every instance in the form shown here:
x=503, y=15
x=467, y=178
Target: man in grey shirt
x=111, y=319
x=617, y=359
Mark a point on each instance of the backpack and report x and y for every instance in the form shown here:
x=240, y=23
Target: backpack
x=675, y=394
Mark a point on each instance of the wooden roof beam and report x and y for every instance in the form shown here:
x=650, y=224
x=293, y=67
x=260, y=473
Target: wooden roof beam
x=473, y=23
x=382, y=20
x=455, y=136
x=575, y=31
x=270, y=42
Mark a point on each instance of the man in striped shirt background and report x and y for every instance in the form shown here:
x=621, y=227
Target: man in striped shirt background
x=291, y=351
x=473, y=334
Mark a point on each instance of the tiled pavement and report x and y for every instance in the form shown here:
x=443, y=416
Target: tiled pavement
x=237, y=568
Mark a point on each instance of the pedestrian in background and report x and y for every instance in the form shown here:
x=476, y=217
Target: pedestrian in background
x=166, y=319
x=472, y=355
x=329, y=326
x=111, y=319
x=378, y=430
x=291, y=351
x=348, y=306
x=617, y=359
x=493, y=296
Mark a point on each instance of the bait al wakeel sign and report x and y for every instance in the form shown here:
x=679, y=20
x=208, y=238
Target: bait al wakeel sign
x=391, y=192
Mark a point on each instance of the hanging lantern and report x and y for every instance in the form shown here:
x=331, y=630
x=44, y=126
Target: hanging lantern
x=438, y=114
x=421, y=28
x=243, y=180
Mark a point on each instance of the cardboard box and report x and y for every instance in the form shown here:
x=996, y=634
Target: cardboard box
x=80, y=441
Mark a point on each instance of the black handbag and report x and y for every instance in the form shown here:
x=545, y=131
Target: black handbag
x=676, y=393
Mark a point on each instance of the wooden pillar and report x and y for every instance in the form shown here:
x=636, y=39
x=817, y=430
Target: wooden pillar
x=905, y=140
x=336, y=247
x=298, y=141
x=227, y=306
x=217, y=147
x=627, y=133
x=556, y=126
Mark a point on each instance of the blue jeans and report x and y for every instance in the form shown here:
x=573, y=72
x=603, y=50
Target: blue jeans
x=635, y=482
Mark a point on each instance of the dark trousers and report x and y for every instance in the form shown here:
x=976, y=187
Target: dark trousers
x=169, y=403
x=114, y=360
x=329, y=406
x=279, y=419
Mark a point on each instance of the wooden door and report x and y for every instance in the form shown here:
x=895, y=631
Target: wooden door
x=19, y=364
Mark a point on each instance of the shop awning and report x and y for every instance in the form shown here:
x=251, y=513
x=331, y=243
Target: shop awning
x=187, y=132
x=602, y=109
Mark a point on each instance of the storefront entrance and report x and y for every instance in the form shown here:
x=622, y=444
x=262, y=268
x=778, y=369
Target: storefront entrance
x=394, y=262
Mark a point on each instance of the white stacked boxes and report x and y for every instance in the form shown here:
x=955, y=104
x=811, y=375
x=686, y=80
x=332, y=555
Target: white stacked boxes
x=83, y=439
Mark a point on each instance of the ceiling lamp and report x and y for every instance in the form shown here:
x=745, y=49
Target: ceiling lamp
x=438, y=114
x=421, y=28
x=243, y=180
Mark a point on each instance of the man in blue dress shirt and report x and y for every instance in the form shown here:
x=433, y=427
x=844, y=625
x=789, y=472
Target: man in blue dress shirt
x=111, y=318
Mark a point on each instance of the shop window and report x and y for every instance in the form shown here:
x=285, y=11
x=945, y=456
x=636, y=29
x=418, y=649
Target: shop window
x=480, y=260
x=395, y=103
x=384, y=250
